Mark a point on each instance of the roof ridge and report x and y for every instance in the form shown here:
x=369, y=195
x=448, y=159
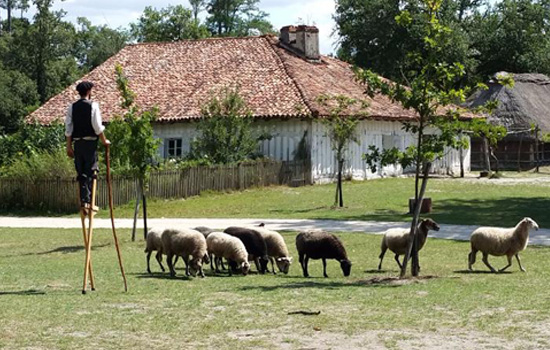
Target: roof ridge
x=224, y=38
x=292, y=78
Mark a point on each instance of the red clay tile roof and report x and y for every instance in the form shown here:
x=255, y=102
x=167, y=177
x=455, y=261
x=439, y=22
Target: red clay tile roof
x=180, y=77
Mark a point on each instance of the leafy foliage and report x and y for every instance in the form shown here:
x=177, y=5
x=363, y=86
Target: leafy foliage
x=31, y=138
x=225, y=133
x=341, y=132
x=236, y=18
x=131, y=134
x=95, y=44
x=17, y=97
x=167, y=24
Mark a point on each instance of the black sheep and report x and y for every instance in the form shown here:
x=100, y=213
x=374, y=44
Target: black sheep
x=321, y=245
x=254, y=244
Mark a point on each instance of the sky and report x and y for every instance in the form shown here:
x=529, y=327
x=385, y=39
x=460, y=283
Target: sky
x=119, y=13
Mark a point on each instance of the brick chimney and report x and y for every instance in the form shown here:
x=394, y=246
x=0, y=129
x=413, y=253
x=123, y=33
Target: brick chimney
x=303, y=40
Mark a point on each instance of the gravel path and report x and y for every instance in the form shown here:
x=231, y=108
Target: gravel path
x=455, y=232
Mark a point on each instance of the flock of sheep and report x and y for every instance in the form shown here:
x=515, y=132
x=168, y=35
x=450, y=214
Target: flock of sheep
x=241, y=245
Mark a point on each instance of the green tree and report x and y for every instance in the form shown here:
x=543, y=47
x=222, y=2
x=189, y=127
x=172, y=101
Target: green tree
x=134, y=146
x=95, y=44
x=512, y=36
x=371, y=38
x=17, y=98
x=196, y=7
x=431, y=93
x=167, y=24
x=341, y=130
x=237, y=18
x=9, y=6
x=225, y=133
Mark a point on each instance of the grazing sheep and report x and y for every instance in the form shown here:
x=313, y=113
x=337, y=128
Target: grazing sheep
x=276, y=249
x=204, y=230
x=501, y=241
x=185, y=242
x=154, y=243
x=254, y=243
x=321, y=245
x=397, y=239
x=222, y=245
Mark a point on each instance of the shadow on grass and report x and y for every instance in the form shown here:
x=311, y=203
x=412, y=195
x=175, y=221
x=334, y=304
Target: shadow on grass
x=478, y=272
x=388, y=282
x=490, y=212
x=24, y=292
x=68, y=249
x=162, y=276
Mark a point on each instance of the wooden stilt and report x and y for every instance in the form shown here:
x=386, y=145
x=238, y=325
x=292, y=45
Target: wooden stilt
x=85, y=237
x=91, y=214
x=111, y=207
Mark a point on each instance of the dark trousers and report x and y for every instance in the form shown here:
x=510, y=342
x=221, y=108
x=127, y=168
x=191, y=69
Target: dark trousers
x=85, y=161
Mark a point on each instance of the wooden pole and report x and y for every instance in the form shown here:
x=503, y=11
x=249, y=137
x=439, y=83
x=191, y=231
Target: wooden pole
x=91, y=214
x=537, y=156
x=111, y=205
x=85, y=235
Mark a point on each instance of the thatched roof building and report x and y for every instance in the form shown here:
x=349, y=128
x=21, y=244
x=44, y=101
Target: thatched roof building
x=520, y=107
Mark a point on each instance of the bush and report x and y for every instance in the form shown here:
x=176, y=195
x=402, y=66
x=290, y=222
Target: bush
x=40, y=165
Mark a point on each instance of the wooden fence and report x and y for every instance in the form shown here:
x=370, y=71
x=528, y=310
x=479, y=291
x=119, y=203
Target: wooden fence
x=60, y=195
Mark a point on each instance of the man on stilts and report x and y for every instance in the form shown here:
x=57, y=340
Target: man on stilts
x=83, y=128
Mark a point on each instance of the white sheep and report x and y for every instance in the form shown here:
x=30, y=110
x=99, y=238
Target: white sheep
x=154, y=243
x=501, y=241
x=185, y=242
x=276, y=249
x=397, y=239
x=222, y=245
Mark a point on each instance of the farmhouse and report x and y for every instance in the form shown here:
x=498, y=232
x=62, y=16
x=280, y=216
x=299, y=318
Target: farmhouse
x=279, y=78
x=522, y=110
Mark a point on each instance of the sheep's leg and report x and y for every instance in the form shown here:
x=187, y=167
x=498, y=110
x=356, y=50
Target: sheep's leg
x=212, y=262
x=159, y=259
x=397, y=260
x=148, y=258
x=175, y=262
x=381, y=256
x=217, y=263
x=186, y=261
x=272, y=264
x=519, y=263
x=325, y=268
x=507, y=266
x=306, y=260
x=301, y=259
x=223, y=266
x=170, y=264
x=229, y=269
x=486, y=262
x=257, y=263
x=471, y=259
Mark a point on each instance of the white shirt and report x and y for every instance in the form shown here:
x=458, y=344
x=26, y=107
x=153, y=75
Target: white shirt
x=96, y=120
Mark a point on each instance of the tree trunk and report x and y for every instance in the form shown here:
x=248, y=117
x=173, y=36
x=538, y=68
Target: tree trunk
x=144, y=215
x=486, y=155
x=136, y=211
x=9, y=5
x=340, y=168
x=461, y=162
x=412, y=247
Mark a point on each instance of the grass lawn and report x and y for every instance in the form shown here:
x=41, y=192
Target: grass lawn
x=455, y=201
x=42, y=308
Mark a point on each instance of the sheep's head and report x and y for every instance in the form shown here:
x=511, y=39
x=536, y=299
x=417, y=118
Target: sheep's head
x=283, y=263
x=531, y=224
x=345, y=264
x=206, y=259
x=195, y=266
x=245, y=267
x=429, y=224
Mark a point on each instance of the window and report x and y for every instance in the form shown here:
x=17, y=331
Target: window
x=173, y=148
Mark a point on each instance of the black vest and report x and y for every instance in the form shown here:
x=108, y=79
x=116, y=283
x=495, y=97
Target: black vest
x=82, y=119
